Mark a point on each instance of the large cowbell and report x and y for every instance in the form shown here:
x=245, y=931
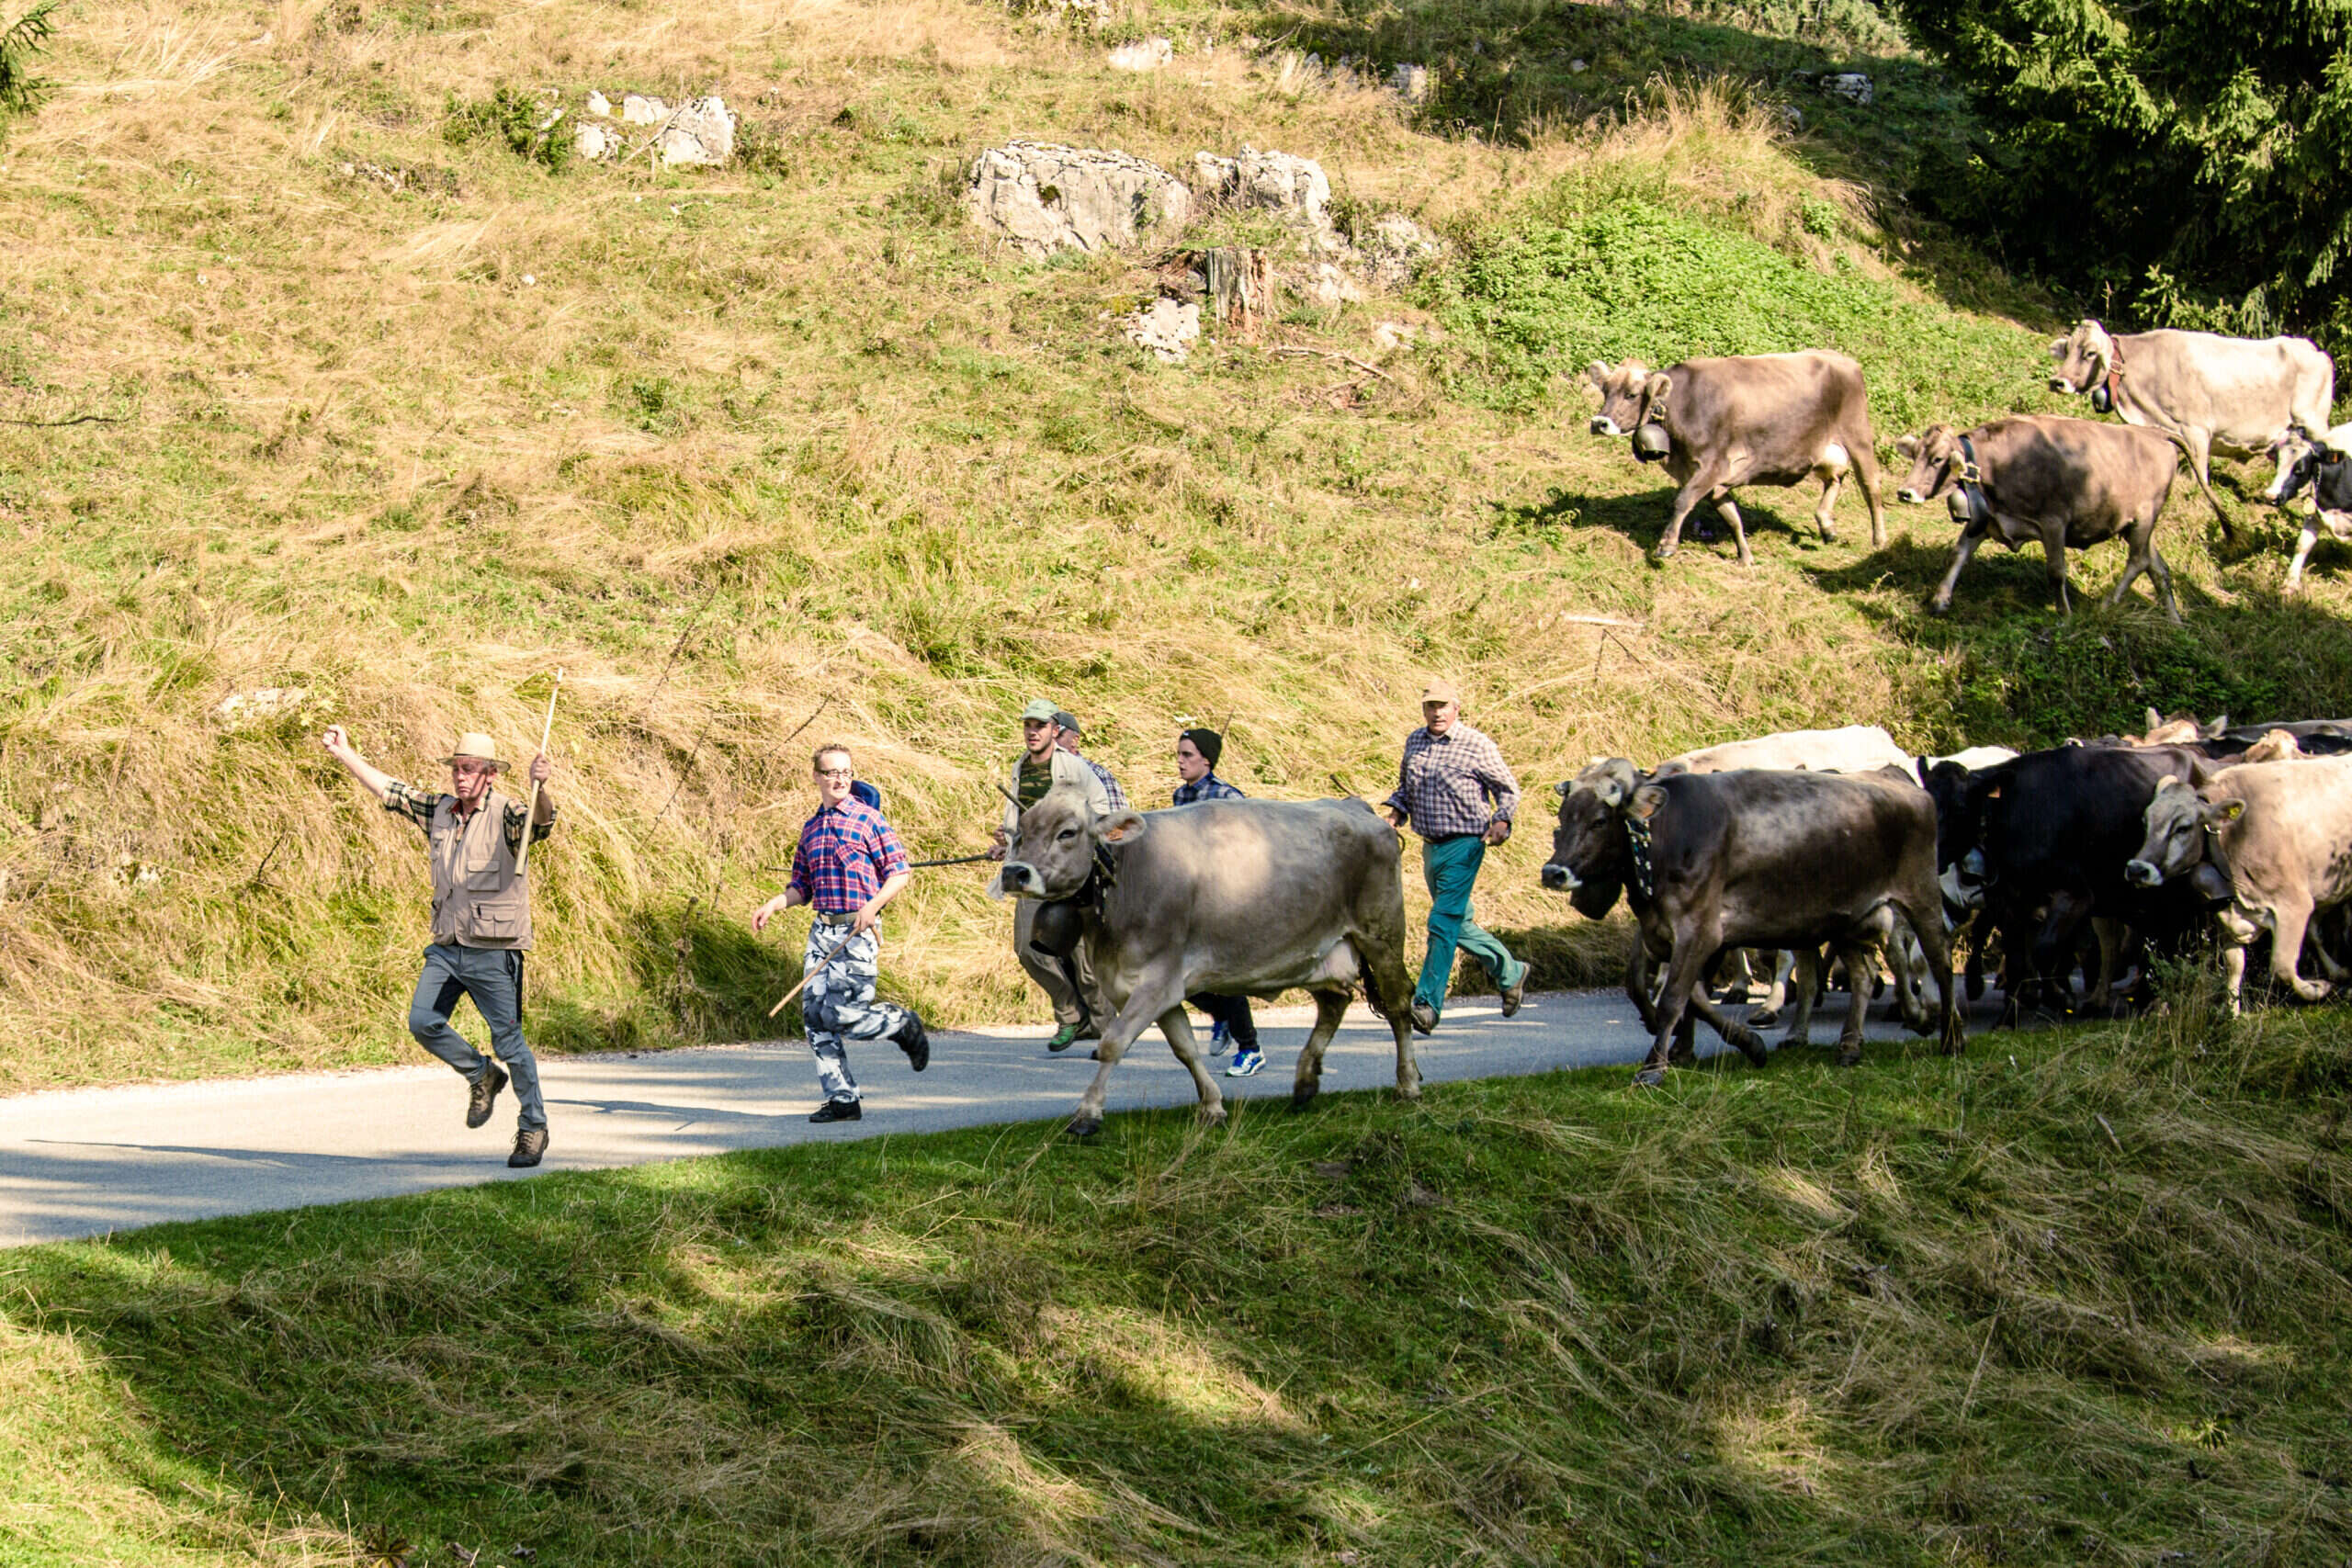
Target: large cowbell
x=2103, y=401
x=1651, y=442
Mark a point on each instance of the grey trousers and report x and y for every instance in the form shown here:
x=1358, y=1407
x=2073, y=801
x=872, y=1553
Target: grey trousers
x=839, y=1005
x=492, y=976
x=1047, y=973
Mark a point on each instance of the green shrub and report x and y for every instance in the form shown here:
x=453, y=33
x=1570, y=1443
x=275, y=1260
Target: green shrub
x=21, y=90
x=526, y=124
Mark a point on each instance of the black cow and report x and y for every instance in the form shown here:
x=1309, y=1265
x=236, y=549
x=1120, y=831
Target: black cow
x=2322, y=464
x=1755, y=859
x=2047, y=836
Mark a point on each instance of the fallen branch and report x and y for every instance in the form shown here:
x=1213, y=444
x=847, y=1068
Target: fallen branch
x=1343, y=358
x=62, y=423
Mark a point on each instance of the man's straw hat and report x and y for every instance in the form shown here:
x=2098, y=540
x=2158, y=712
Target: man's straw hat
x=473, y=745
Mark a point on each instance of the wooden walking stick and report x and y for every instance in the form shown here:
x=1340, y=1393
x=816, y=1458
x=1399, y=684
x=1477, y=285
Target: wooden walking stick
x=523, y=855
x=839, y=948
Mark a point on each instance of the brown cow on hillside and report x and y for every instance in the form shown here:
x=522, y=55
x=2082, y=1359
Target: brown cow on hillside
x=2060, y=481
x=1766, y=418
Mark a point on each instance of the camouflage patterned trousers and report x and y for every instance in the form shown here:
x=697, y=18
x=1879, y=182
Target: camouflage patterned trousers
x=839, y=1004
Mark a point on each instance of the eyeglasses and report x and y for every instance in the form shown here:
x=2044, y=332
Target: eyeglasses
x=836, y=773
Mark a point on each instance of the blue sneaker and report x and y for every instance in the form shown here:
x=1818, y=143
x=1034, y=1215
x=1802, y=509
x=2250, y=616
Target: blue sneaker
x=1246, y=1064
x=1218, y=1037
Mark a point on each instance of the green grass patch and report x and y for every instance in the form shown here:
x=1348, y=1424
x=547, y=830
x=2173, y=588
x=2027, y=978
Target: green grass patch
x=2074, y=1297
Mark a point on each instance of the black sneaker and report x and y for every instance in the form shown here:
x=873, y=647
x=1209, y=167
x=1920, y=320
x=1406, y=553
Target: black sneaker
x=1515, y=993
x=909, y=1037
x=530, y=1143
x=485, y=1095
x=1424, y=1019
x=839, y=1110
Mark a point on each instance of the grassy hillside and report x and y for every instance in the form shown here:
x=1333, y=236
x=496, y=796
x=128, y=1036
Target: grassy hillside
x=788, y=451
x=2077, y=1298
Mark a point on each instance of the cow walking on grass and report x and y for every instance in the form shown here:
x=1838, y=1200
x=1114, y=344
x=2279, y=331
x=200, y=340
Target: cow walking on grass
x=2058, y=482
x=1756, y=859
x=1765, y=418
x=2205, y=391
x=1238, y=897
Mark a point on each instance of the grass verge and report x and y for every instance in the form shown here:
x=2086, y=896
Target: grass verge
x=2077, y=1297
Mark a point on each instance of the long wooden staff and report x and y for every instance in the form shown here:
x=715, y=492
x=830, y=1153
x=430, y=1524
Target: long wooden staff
x=523, y=855
x=815, y=970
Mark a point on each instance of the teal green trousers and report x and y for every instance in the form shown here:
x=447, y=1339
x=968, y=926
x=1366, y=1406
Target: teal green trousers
x=1451, y=868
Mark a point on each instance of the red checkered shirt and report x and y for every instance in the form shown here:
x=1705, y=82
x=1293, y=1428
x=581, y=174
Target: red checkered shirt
x=846, y=854
x=1444, y=783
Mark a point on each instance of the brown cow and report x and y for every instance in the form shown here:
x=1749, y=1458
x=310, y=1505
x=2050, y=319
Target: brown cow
x=1766, y=418
x=2277, y=830
x=2061, y=481
x=2240, y=394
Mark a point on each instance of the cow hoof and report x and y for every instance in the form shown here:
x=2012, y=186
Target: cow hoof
x=1302, y=1097
x=1085, y=1126
x=1851, y=1056
x=1828, y=534
x=1213, y=1116
x=1751, y=1045
x=1663, y=552
x=1409, y=1090
x=1649, y=1077
x=1763, y=1018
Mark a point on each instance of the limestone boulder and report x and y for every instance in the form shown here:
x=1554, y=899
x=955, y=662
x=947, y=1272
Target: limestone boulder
x=1041, y=198
x=1166, y=328
x=1291, y=187
x=698, y=133
x=1396, y=250
x=1144, y=55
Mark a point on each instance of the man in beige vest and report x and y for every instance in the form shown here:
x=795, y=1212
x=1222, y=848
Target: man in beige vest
x=482, y=922
x=1080, y=1012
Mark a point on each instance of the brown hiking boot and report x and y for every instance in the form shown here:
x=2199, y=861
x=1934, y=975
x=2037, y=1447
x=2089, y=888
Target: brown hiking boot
x=485, y=1095
x=530, y=1143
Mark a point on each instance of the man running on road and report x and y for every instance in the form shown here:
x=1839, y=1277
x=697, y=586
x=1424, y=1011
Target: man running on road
x=482, y=922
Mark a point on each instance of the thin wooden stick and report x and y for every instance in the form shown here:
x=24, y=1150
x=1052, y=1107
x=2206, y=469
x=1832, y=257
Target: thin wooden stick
x=815, y=970
x=523, y=855
x=1328, y=353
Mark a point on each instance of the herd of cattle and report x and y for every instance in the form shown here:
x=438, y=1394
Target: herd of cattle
x=1783, y=419
x=1804, y=848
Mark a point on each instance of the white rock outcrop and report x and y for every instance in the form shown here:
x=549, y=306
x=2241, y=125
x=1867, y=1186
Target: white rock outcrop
x=1166, y=328
x=597, y=144
x=700, y=133
x=1144, y=55
x=1042, y=197
x=1396, y=249
x=1411, y=83
x=1291, y=187
x=638, y=109
x=1852, y=86
x=599, y=104
x=250, y=710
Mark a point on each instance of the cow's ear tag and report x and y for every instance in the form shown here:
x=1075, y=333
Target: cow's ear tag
x=1122, y=829
x=2229, y=810
x=1994, y=792
x=1646, y=800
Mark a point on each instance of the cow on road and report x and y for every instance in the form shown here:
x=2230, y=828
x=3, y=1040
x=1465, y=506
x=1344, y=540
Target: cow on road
x=2277, y=831
x=2061, y=482
x=1755, y=859
x=1235, y=897
x=2239, y=394
x=1766, y=418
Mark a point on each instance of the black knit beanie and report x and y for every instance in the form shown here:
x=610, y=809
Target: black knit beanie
x=1209, y=743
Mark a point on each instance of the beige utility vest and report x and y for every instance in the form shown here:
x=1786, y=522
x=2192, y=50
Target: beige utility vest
x=478, y=901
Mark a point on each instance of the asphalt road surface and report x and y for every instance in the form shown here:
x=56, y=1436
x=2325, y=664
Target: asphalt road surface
x=85, y=1162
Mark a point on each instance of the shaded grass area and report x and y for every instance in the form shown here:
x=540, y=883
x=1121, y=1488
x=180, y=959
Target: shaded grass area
x=2074, y=1297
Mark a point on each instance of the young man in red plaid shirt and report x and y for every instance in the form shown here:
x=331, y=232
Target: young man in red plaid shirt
x=849, y=863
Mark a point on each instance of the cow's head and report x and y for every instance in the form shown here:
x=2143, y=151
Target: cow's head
x=1053, y=849
x=1934, y=464
x=2299, y=456
x=1589, y=861
x=2276, y=746
x=1621, y=390
x=1960, y=794
x=2179, y=821
x=2085, y=357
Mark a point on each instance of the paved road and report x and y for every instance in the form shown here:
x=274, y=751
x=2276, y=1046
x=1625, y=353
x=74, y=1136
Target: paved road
x=84, y=1162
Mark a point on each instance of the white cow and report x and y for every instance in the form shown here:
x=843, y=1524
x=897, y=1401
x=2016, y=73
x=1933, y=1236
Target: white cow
x=2205, y=391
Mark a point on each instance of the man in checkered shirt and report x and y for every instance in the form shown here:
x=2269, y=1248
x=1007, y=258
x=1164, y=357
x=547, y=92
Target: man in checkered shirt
x=849, y=864
x=1458, y=793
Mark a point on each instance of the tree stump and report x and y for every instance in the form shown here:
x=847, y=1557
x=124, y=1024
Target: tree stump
x=1240, y=285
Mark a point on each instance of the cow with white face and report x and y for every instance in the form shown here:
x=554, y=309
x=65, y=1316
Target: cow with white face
x=1232, y=897
x=2236, y=394
x=2323, y=464
x=2275, y=833
x=1765, y=418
